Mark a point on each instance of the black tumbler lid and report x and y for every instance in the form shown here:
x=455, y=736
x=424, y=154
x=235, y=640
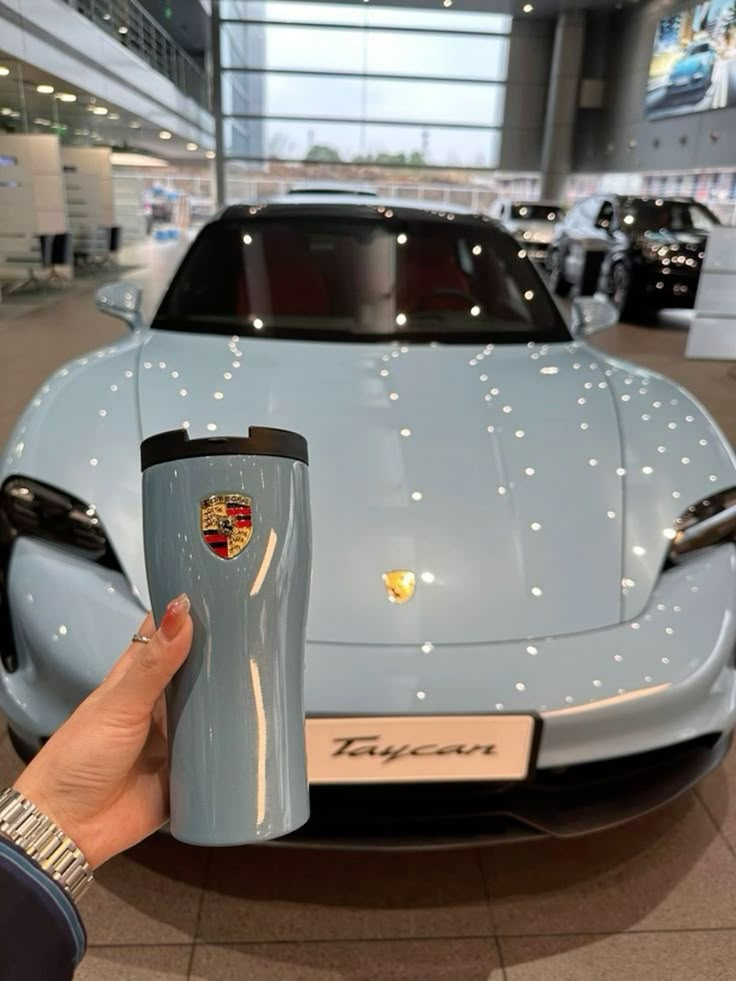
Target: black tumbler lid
x=260, y=441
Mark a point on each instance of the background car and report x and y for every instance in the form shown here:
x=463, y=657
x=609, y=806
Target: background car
x=568, y=583
x=693, y=72
x=645, y=254
x=532, y=223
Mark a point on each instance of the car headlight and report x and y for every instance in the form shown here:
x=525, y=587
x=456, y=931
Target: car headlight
x=30, y=508
x=710, y=522
x=698, y=75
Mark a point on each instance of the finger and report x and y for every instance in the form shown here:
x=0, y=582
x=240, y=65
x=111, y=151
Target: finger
x=146, y=629
x=150, y=667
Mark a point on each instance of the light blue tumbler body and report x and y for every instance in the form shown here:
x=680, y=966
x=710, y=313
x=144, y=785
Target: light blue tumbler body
x=227, y=520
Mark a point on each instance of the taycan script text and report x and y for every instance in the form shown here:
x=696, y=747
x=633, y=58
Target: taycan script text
x=370, y=746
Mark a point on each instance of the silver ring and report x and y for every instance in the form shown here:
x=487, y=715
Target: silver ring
x=140, y=639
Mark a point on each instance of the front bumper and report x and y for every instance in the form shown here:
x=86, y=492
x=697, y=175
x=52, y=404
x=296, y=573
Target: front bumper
x=662, y=681
x=562, y=802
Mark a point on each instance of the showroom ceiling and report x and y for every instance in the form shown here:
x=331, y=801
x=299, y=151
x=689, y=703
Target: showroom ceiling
x=80, y=118
x=188, y=23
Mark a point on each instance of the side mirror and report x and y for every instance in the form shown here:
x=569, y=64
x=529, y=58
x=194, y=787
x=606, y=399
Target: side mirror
x=591, y=314
x=122, y=300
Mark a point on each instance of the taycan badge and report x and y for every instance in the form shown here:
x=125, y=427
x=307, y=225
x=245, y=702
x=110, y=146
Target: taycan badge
x=400, y=584
x=226, y=521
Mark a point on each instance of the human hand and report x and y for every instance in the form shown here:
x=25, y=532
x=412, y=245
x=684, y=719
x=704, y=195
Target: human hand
x=103, y=777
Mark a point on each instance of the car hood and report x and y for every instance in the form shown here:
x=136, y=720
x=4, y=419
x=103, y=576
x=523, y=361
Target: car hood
x=530, y=489
x=487, y=474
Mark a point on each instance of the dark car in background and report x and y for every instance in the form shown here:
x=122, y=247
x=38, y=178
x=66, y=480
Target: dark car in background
x=692, y=74
x=645, y=254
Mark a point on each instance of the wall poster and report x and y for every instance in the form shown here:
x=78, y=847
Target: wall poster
x=693, y=64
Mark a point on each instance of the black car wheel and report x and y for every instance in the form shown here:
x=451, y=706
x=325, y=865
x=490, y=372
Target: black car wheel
x=555, y=276
x=620, y=292
x=620, y=287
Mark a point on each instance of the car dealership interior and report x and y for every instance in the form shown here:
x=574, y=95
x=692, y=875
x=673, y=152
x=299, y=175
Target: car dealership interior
x=368, y=488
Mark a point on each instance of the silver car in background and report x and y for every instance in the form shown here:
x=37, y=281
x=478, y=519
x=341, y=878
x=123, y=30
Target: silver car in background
x=532, y=223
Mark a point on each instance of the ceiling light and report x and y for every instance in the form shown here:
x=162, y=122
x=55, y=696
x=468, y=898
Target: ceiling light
x=114, y=116
x=446, y=3
x=66, y=97
x=4, y=71
x=6, y=111
x=164, y=135
x=122, y=29
x=210, y=154
x=192, y=146
x=15, y=114
x=135, y=124
x=45, y=89
x=528, y=8
x=100, y=110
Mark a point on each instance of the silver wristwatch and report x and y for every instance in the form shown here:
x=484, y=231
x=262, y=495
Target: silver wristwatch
x=43, y=841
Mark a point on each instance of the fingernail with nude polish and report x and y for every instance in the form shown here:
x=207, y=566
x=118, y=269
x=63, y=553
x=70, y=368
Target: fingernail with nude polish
x=175, y=616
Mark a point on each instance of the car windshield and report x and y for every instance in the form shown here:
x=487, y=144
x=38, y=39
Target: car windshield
x=330, y=277
x=536, y=212
x=675, y=216
x=702, y=48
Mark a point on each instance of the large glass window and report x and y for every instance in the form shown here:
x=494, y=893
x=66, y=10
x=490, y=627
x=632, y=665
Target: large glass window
x=344, y=142
x=364, y=51
x=317, y=96
x=296, y=12
x=347, y=83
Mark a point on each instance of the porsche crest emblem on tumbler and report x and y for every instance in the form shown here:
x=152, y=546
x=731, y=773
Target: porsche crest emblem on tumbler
x=226, y=521
x=399, y=585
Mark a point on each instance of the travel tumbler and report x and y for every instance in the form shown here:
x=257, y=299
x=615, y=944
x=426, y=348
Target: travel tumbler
x=227, y=520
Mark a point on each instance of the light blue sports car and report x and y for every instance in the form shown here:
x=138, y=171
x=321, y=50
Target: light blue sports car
x=693, y=72
x=523, y=608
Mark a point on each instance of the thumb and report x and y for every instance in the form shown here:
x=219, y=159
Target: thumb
x=146, y=669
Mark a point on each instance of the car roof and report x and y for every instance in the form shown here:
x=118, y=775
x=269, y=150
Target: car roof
x=357, y=205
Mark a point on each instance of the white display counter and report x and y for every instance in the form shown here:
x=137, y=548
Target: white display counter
x=713, y=328
x=33, y=216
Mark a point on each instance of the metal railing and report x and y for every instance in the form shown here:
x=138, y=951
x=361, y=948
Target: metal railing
x=478, y=199
x=136, y=30
x=257, y=188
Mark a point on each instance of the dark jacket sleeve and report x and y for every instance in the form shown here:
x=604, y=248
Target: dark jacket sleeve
x=41, y=933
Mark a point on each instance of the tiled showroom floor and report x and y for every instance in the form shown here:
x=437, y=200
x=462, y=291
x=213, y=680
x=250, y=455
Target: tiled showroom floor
x=652, y=900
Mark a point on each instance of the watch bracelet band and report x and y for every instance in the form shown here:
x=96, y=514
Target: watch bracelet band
x=45, y=843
